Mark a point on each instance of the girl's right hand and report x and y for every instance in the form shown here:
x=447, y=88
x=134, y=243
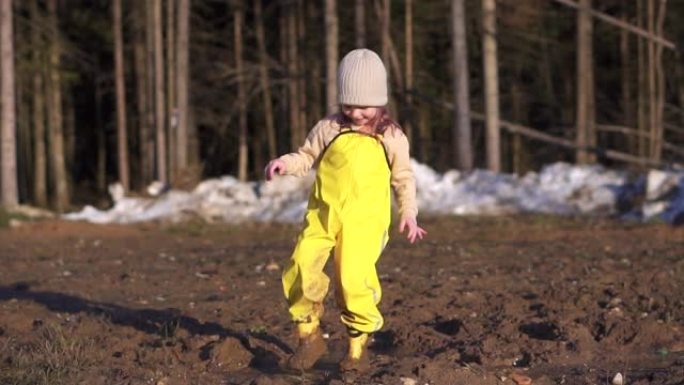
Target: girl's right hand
x=274, y=167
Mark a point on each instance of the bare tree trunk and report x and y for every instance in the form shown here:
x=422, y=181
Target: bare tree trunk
x=296, y=135
x=10, y=190
x=172, y=133
x=316, y=71
x=627, y=106
x=408, y=74
x=24, y=128
x=360, y=23
x=491, y=79
x=331, y=54
x=461, y=129
x=642, y=103
x=69, y=136
x=517, y=115
x=144, y=167
x=424, y=134
x=385, y=25
x=584, y=114
x=122, y=134
x=652, y=84
x=242, y=98
x=659, y=106
x=160, y=110
x=39, y=150
x=151, y=120
x=302, y=67
x=101, y=166
x=183, y=82
x=59, y=174
x=264, y=80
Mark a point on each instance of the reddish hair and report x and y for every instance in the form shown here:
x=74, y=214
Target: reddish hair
x=380, y=123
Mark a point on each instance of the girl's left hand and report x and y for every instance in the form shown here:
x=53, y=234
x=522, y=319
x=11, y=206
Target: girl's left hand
x=415, y=232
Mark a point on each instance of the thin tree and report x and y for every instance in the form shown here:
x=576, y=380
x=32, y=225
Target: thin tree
x=491, y=84
x=141, y=68
x=39, y=160
x=626, y=74
x=408, y=69
x=461, y=129
x=58, y=167
x=171, y=87
x=119, y=76
x=659, y=105
x=296, y=130
x=264, y=79
x=159, y=94
x=360, y=23
x=584, y=115
x=10, y=191
x=183, y=81
x=331, y=54
x=242, y=98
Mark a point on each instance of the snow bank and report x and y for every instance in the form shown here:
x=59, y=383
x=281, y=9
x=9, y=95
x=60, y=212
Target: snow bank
x=559, y=188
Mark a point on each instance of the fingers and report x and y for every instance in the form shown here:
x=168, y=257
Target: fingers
x=274, y=167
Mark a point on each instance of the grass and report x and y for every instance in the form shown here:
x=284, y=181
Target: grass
x=54, y=359
x=6, y=217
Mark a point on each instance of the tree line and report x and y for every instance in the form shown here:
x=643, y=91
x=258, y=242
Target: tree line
x=98, y=91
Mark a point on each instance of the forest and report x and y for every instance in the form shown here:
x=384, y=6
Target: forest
x=101, y=91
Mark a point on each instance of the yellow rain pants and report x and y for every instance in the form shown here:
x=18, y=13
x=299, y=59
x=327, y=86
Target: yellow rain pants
x=348, y=211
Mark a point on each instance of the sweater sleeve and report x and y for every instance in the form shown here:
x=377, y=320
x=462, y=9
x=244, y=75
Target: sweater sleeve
x=300, y=162
x=402, y=179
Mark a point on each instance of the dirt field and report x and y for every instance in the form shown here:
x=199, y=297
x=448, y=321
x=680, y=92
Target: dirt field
x=559, y=300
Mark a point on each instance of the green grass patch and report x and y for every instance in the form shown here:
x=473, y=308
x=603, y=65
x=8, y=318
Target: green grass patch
x=6, y=217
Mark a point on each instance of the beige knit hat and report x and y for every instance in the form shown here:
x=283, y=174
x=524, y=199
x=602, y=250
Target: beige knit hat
x=362, y=79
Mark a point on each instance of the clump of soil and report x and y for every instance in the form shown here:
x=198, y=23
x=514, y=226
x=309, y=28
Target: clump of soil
x=480, y=301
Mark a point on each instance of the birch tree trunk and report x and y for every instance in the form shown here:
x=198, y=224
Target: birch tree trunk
x=159, y=94
x=491, y=80
x=39, y=154
x=183, y=81
x=331, y=55
x=242, y=102
x=10, y=190
x=122, y=134
x=360, y=23
x=461, y=129
x=264, y=80
x=58, y=168
x=584, y=121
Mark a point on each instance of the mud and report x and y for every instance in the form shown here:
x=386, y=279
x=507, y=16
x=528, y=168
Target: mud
x=480, y=301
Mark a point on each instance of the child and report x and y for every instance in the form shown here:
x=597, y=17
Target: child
x=358, y=153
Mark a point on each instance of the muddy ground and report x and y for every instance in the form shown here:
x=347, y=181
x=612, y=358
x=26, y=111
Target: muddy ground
x=559, y=300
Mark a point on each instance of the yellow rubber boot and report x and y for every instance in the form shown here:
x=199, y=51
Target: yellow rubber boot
x=357, y=357
x=311, y=346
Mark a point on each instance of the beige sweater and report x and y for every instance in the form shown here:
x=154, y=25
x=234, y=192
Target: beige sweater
x=396, y=144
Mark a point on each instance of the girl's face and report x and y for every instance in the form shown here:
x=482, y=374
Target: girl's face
x=360, y=115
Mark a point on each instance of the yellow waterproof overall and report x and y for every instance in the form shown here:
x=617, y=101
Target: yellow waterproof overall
x=348, y=210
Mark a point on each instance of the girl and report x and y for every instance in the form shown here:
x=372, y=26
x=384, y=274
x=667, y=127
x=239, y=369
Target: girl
x=358, y=153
